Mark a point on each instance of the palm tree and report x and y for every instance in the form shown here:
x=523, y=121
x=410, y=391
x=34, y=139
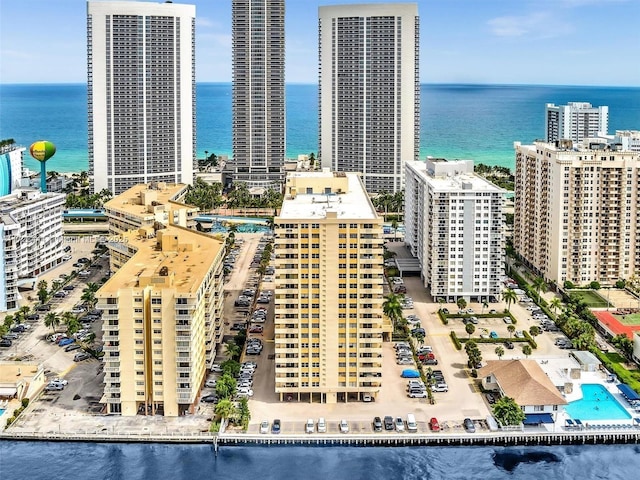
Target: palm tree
x=225, y=409
x=534, y=331
x=484, y=305
x=392, y=307
x=470, y=328
x=539, y=285
x=499, y=352
x=232, y=349
x=511, y=329
x=555, y=304
x=526, y=350
x=52, y=320
x=510, y=297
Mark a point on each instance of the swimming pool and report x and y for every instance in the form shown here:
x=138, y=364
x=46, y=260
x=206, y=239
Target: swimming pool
x=2, y=410
x=596, y=404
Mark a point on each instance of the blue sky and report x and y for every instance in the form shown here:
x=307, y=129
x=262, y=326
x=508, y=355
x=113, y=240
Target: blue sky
x=558, y=42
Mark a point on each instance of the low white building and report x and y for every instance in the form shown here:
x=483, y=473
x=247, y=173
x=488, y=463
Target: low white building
x=31, y=237
x=454, y=225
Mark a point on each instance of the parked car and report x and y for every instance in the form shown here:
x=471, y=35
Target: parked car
x=209, y=399
x=310, y=426
x=344, y=426
x=53, y=388
x=468, y=425
x=417, y=393
x=216, y=368
x=399, y=423
x=410, y=374
x=5, y=342
x=256, y=329
x=440, y=387
x=65, y=341
x=322, y=425
x=377, y=424
x=68, y=288
x=72, y=347
x=60, y=294
x=434, y=425
x=81, y=356
x=275, y=427
x=508, y=345
x=493, y=334
x=210, y=384
x=430, y=361
x=264, y=426
x=388, y=423
x=10, y=336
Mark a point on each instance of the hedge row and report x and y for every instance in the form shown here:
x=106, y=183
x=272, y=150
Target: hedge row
x=530, y=339
x=456, y=340
x=623, y=374
x=443, y=318
x=492, y=340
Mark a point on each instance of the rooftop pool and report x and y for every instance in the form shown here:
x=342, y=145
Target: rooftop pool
x=596, y=404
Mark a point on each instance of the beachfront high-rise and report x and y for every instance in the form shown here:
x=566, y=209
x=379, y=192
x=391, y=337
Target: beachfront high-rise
x=577, y=214
x=258, y=106
x=141, y=93
x=574, y=121
x=328, y=296
x=454, y=224
x=163, y=306
x=369, y=91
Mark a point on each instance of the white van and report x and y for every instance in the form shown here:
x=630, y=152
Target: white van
x=412, y=425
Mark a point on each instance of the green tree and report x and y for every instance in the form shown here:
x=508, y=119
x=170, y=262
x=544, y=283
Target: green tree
x=624, y=344
x=555, y=304
x=392, y=307
x=595, y=285
x=508, y=412
x=52, y=320
x=71, y=321
x=470, y=328
x=526, y=350
x=226, y=386
x=232, y=350
x=244, y=413
x=419, y=338
x=230, y=367
x=462, y=303
x=534, y=331
x=226, y=409
x=499, y=352
x=620, y=284
x=43, y=291
x=539, y=285
x=511, y=329
x=509, y=296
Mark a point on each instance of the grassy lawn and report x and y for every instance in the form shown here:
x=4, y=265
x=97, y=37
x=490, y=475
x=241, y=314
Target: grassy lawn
x=591, y=298
x=629, y=319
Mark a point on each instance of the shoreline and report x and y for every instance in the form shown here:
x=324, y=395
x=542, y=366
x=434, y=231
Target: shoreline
x=507, y=438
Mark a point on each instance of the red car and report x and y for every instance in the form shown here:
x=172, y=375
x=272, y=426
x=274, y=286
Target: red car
x=434, y=425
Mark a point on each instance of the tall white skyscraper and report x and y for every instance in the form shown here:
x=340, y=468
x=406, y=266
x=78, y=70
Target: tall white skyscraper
x=141, y=93
x=369, y=91
x=575, y=121
x=258, y=91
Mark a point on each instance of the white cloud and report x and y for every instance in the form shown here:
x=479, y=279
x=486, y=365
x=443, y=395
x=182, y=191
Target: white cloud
x=204, y=22
x=538, y=25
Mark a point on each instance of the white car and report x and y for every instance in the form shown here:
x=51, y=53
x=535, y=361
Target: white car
x=210, y=384
x=264, y=426
x=322, y=425
x=66, y=257
x=399, y=424
x=245, y=392
x=310, y=426
x=344, y=426
x=85, y=273
x=60, y=380
x=216, y=368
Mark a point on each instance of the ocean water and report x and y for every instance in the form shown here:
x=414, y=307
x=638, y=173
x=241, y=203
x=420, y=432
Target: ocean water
x=54, y=461
x=478, y=122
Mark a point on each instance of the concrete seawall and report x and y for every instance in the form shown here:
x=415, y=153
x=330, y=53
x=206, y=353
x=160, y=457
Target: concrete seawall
x=364, y=440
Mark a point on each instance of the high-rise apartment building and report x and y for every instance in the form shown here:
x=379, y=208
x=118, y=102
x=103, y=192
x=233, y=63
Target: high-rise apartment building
x=575, y=121
x=258, y=91
x=31, y=240
x=141, y=93
x=328, y=299
x=162, y=308
x=369, y=91
x=577, y=215
x=454, y=224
